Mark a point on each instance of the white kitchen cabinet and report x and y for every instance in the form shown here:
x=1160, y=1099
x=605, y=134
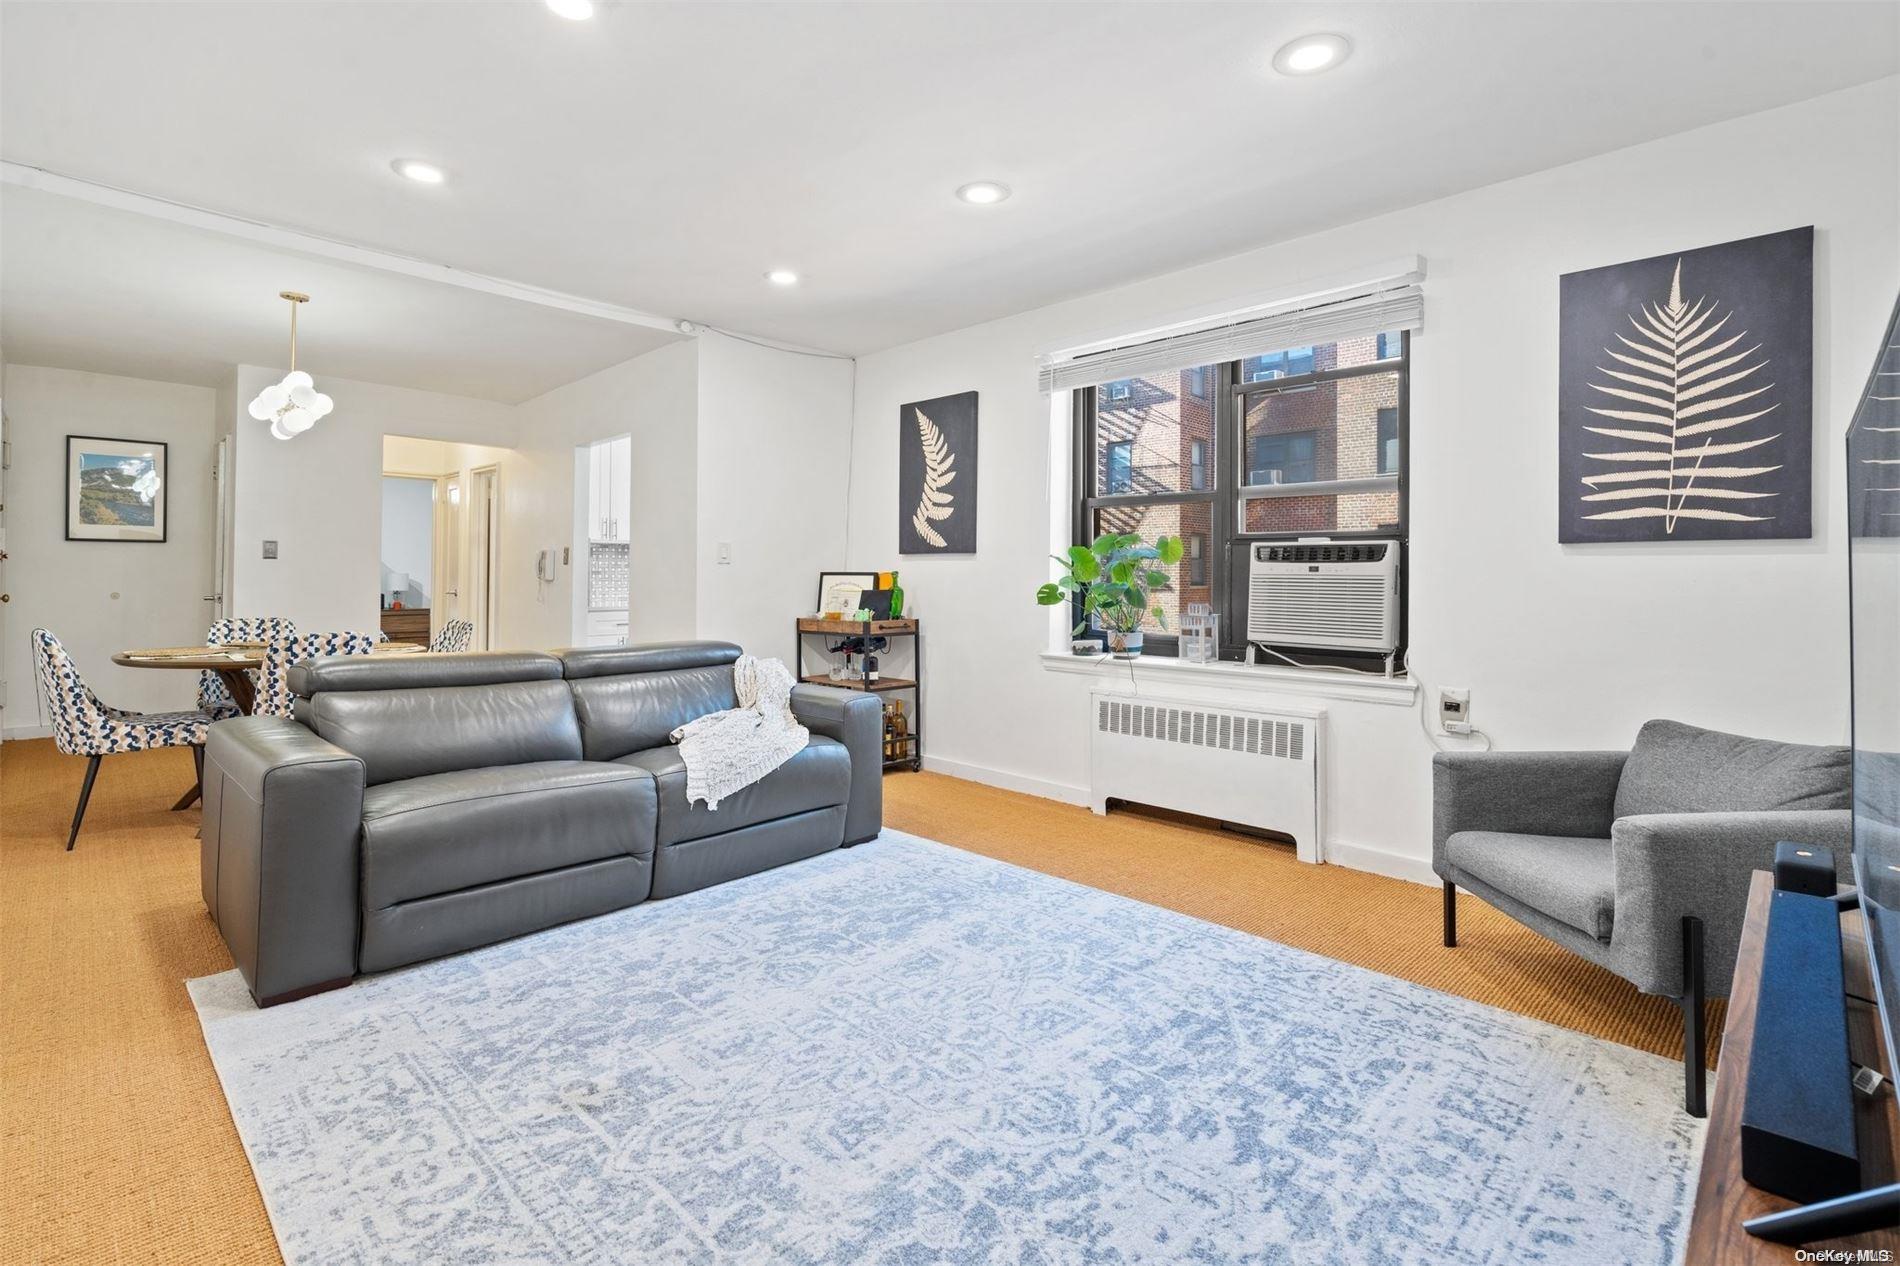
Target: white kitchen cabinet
x=619, y=495
x=606, y=628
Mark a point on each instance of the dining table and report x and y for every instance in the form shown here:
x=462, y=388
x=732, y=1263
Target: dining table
x=233, y=662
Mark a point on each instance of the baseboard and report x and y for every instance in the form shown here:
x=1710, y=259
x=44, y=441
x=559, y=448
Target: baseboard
x=1008, y=781
x=17, y=732
x=1353, y=856
x=1380, y=862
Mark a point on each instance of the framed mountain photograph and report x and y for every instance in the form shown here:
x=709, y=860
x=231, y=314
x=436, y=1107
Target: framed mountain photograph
x=115, y=490
x=1685, y=395
x=936, y=476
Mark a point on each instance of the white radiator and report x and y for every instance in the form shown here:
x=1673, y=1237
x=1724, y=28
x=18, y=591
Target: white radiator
x=1254, y=767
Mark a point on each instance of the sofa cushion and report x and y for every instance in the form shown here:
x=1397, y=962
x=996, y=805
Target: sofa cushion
x=401, y=734
x=1677, y=768
x=446, y=832
x=638, y=711
x=817, y=778
x=1567, y=878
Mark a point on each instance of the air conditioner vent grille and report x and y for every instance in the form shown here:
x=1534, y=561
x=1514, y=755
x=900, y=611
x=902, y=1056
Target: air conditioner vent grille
x=1203, y=727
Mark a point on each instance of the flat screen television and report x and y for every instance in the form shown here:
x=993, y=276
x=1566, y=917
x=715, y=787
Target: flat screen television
x=1873, y=515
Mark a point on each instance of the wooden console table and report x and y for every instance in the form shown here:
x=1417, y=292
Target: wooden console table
x=1722, y=1199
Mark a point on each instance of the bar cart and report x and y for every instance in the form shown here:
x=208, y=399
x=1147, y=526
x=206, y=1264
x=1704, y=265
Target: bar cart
x=903, y=751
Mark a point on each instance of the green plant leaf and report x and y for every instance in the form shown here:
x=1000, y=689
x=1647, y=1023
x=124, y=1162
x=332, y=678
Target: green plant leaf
x=1085, y=568
x=1170, y=549
x=1161, y=617
x=1049, y=595
x=1156, y=579
x=1069, y=584
x=1122, y=573
x=1104, y=543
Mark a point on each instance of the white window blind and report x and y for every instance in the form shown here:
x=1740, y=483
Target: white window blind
x=1383, y=305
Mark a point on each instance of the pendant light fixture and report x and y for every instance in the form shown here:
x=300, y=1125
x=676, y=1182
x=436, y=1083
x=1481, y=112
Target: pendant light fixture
x=293, y=405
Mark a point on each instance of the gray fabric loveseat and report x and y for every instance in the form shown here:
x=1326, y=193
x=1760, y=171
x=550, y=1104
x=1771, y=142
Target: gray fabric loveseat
x=1638, y=861
x=419, y=806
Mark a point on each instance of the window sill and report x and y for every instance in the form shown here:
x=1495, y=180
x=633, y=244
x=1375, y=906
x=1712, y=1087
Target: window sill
x=1318, y=683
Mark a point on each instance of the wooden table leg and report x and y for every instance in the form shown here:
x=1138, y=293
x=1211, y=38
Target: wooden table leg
x=238, y=682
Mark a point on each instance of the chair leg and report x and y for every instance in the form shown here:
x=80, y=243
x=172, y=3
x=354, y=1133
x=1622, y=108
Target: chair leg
x=1694, y=1039
x=197, y=791
x=85, y=794
x=1451, y=915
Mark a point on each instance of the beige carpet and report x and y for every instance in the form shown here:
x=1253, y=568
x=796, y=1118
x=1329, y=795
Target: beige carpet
x=116, y=1142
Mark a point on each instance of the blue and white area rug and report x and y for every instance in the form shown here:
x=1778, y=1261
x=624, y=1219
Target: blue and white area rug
x=905, y=1053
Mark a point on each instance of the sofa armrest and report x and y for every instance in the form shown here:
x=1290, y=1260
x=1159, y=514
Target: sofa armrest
x=283, y=815
x=1673, y=865
x=856, y=719
x=1525, y=793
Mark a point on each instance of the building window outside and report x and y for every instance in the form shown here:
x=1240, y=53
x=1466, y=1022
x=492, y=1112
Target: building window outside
x=1281, y=459
x=1265, y=454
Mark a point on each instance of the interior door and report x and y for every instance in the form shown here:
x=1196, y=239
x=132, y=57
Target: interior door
x=485, y=530
x=220, y=521
x=454, y=549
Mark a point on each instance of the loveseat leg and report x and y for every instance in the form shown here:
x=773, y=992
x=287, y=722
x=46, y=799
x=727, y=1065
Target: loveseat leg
x=1694, y=1039
x=1451, y=915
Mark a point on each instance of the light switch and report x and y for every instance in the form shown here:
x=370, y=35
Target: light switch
x=725, y=552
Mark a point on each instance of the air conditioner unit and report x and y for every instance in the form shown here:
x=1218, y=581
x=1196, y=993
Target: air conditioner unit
x=1329, y=595
x=1254, y=767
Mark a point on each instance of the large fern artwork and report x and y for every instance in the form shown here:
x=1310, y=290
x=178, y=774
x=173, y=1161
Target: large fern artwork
x=1685, y=395
x=1680, y=392
x=935, y=502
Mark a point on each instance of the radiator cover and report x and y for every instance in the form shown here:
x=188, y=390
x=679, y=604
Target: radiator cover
x=1255, y=767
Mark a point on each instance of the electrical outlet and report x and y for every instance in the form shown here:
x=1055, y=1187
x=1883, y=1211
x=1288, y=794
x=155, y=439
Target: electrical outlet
x=1454, y=711
x=270, y=549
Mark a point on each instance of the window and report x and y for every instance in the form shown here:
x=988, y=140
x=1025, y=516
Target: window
x=1310, y=441
x=1123, y=390
x=1288, y=364
x=1281, y=459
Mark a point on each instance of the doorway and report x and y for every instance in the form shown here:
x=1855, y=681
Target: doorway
x=465, y=576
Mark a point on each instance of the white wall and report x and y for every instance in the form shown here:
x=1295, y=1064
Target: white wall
x=774, y=470
x=318, y=496
x=409, y=538
x=101, y=597
x=1560, y=646
x=654, y=399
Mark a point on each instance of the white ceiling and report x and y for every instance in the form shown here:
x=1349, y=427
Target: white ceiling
x=663, y=156
x=94, y=288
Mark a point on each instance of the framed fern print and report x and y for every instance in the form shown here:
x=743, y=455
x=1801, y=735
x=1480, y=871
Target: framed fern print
x=936, y=476
x=1686, y=395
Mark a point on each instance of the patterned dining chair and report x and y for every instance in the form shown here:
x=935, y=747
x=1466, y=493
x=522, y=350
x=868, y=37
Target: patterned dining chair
x=454, y=636
x=83, y=726
x=214, y=697
x=273, y=696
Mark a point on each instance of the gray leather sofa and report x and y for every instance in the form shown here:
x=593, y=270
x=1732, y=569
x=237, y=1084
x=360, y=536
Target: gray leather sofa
x=419, y=806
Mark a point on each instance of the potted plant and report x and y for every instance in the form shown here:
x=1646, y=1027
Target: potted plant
x=1112, y=578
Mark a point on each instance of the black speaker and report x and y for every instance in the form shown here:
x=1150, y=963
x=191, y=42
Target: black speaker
x=1807, y=868
x=1798, y=1111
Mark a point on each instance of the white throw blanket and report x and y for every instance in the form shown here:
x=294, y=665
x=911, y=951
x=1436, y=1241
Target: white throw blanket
x=730, y=750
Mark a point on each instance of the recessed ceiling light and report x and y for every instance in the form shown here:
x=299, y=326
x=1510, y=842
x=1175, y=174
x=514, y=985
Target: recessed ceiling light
x=782, y=277
x=1311, y=54
x=984, y=193
x=573, y=10
x=420, y=172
